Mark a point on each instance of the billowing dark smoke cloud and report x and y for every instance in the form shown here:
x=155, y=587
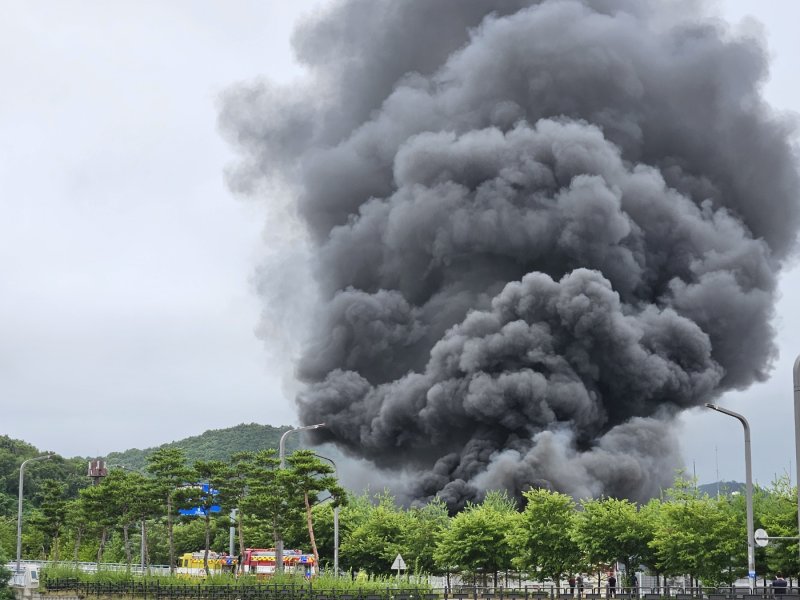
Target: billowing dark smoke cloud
x=539, y=231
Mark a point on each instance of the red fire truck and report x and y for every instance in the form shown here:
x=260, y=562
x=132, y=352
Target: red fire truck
x=261, y=562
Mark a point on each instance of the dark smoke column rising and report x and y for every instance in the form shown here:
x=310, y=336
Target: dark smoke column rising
x=539, y=230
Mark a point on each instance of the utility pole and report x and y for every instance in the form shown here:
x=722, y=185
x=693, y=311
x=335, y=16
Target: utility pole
x=797, y=436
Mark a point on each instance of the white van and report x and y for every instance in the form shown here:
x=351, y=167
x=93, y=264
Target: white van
x=26, y=577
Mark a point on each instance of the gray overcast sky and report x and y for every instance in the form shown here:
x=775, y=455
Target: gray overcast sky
x=127, y=318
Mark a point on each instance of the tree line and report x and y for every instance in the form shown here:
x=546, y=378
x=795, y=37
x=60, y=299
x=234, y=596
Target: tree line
x=545, y=536
x=550, y=535
x=125, y=504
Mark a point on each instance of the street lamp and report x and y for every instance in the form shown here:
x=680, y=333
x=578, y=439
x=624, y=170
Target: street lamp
x=19, y=504
x=282, y=455
x=282, y=442
x=797, y=435
x=751, y=558
x=335, y=521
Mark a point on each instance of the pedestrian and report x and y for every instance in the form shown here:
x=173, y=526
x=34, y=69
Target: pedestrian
x=612, y=586
x=580, y=586
x=779, y=584
x=634, y=585
x=572, y=586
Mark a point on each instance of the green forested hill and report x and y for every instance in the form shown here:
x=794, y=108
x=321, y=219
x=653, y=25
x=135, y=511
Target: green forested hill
x=215, y=444
x=71, y=472
x=726, y=488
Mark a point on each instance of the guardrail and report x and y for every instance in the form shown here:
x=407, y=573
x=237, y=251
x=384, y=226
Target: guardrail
x=93, y=567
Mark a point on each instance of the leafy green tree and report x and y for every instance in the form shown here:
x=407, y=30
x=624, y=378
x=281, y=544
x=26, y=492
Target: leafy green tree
x=541, y=535
x=312, y=476
x=6, y=593
x=778, y=515
x=168, y=466
x=145, y=505
x=699, y=536
x=351, y=514
x=76, y=519
x=214, y=474
x=51, y=515
x=8, y=535
x=476, y=539
x=610, y=530
x=650, y=514
x=97, y=505
x=423, y=530
x=121, y=497
x=234, y=489
x=323, y=533
x=377, y=537
x=272, y=494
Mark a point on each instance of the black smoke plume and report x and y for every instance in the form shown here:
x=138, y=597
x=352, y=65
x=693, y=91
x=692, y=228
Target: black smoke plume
x=539, y=230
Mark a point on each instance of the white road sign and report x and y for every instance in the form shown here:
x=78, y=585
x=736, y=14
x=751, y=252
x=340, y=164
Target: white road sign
x=761, y=538
x=399, y=564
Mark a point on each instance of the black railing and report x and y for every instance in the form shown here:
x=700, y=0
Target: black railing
x=265, y=591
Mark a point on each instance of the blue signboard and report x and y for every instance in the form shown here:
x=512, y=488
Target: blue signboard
x=199, y=511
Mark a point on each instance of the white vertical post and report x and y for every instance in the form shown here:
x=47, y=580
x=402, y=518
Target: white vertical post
x=231, y=544
x=335, y=521
x=797, y=436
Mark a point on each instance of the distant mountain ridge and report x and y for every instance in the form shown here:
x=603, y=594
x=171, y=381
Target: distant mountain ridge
x=214, y=444
x=723, y=488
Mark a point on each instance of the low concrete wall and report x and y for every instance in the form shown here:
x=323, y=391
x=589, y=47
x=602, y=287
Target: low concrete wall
x=33, y=594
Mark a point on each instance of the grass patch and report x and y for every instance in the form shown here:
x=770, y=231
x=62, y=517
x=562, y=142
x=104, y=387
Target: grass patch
x=346, y=583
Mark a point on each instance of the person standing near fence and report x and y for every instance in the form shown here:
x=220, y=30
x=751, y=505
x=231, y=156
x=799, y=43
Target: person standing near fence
x=612, y=586
x=779, y=585
x=571, y=586
x=580, y=586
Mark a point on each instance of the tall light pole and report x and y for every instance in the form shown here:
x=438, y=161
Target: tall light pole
x=282, y=442
x=751, y=542
x=335, y=521
x=282, y=456
x=19, y=504
x=797, y=436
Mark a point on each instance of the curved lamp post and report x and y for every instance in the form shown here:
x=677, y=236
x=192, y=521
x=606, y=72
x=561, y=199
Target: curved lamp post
x=282, y=455
x=19, y=504
x=282, y=442
x=751, y=543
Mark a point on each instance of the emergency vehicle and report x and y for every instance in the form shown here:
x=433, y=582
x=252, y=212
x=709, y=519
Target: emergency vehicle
x=261, y=562
x=191, y=564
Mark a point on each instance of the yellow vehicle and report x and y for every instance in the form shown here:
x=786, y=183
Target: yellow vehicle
x=191, y=564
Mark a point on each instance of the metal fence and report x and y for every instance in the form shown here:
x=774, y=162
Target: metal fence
x=201, y=591
x=93, y=567
x=265, y=591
